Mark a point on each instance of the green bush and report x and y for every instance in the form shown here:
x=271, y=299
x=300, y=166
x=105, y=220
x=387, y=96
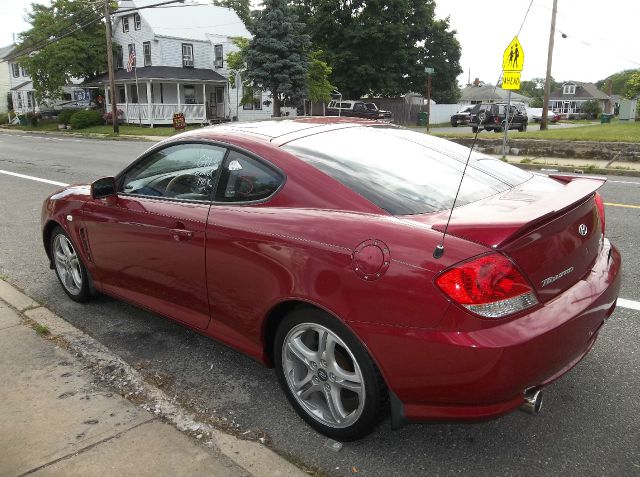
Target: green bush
x=64, y=116
x=85, y=119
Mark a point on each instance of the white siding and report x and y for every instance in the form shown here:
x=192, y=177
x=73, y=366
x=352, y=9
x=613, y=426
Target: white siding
x=136, y=37
x=171, y=50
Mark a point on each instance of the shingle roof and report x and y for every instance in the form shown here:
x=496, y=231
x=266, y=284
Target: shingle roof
x=162, y=72
x=6, y=50
x=583, y=91
x=192, y=21
x=16, y=88
x=489, y=92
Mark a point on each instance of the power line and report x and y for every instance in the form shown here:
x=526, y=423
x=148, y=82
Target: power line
x=59, y=33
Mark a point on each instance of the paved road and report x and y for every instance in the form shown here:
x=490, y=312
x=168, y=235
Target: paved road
x=590, y=423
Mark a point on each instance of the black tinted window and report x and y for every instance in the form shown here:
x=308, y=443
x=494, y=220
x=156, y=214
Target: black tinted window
x=402, y=171
x=184, y=171
x=246, y=179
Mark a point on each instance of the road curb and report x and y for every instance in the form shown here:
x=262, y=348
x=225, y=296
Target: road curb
x=252, y=456
x=124, y=137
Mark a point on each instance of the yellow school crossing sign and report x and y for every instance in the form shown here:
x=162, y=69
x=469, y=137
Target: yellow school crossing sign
x=512, y=63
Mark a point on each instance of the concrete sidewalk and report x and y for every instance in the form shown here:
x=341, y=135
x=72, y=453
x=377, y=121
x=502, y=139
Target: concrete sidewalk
x=56, y=419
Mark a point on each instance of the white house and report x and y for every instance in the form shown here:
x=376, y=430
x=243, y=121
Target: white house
x=572, y=95
x=5, y=80
x=21, y=88
x=180, y=55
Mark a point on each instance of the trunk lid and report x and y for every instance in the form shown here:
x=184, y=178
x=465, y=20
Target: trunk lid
x=550, y=228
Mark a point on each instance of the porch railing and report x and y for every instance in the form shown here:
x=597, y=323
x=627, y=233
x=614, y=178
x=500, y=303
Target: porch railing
x=192, y=112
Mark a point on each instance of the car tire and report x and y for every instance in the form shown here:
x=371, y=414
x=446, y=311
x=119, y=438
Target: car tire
x=336, y=387
x=474, y=129
x=454, y=124
x=523, y=127
x=69, y=267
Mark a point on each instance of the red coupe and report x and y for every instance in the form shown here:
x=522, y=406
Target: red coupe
x=312, y=245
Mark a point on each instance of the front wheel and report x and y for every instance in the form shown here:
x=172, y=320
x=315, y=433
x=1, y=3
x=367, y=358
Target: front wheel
x=328, y=376
x=69, y=267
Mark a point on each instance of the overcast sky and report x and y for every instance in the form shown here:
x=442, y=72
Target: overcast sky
x=602, y=36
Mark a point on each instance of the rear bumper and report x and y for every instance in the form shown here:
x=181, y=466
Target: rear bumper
x=451, y=374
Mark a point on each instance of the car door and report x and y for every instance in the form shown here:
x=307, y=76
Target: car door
x=242, y=277
x=148, y=241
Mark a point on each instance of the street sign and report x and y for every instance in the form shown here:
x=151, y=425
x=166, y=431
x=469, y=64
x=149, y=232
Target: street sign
x=513, y=57
x=511, y=80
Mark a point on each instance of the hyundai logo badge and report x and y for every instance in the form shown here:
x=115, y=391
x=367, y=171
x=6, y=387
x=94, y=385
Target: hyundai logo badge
x=582, y=230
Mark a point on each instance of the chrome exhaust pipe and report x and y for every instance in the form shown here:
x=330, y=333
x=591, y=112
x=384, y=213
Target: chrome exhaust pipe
x=532, y=401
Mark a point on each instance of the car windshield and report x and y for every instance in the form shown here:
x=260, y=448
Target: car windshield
x=404, y=172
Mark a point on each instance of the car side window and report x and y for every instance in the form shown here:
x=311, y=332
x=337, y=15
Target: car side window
x=245, y=179
x=183, y=171
x=359, y=107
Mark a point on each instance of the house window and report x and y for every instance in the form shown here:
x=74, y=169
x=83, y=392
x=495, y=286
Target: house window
x=23, y=72
x=161, y=94
x=19, y=99
x=15, y=69
x=30, y=102
x=122, y=95
x=257, y=101
x=569, y=89
x=146, y=46
x=187, y=55
x=217, y=53
x=132, y=49
x=189, y=94
x=137, y=24
x=125, y=24
x=117, y=56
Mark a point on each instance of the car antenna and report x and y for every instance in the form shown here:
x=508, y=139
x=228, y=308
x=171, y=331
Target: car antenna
x=438, y=252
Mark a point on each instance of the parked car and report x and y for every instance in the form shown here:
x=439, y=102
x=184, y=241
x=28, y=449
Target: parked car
x=461, y=117
x=382, y=114
x=316, y=246
x=356, y=109
x=492, y=117
x=535, y=114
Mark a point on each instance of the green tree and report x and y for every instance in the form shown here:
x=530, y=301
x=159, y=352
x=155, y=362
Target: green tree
x=81, y=54
x=618, y=81
x=320, y=88
x=241, y=7
x=534, y=88
x=632, y=86
x=237, y=64
x=591, y=108
x=381, y=47
x=277, y=57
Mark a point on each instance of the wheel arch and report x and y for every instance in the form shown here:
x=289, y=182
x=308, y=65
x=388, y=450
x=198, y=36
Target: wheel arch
x=282, y=309
x=47, y=230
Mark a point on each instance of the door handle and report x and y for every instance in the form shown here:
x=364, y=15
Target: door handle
x=181, y=234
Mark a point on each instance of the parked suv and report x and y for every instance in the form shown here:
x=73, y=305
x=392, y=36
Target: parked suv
x=492, y=117
x=356, y=109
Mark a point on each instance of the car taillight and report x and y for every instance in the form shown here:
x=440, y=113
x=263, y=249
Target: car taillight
x=490, y=286
x=600, y=207
x=496, y=120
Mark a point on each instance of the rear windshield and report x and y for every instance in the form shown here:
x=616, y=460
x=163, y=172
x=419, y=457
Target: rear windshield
x=405, y=172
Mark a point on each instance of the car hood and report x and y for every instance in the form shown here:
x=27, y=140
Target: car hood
x=73, y=192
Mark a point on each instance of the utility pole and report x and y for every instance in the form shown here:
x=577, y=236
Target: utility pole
x=112, y=82
x=547, y=82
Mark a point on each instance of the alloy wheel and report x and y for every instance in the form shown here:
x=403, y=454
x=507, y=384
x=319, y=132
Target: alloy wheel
x=67, y=264
x=323, y=375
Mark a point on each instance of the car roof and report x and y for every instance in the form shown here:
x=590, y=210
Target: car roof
x=278, y=132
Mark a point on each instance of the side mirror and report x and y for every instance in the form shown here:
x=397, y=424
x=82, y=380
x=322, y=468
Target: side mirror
x=104, y=187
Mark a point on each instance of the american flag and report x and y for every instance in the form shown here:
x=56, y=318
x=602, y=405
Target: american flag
x=132, y=61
